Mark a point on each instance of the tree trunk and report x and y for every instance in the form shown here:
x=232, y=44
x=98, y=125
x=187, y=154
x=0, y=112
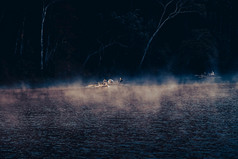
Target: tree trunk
x=178, y=9
x=42, y=37
x=44, y=12
x=151, y=39
x=148, y=45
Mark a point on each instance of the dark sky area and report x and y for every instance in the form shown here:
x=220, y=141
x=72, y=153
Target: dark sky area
x=109, y=38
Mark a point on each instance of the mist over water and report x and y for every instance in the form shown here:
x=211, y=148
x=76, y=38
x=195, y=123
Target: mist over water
x=130, y=120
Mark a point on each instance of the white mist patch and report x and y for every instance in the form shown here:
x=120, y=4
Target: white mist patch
x=6, y=97
x=69, y=100
x=142, y=97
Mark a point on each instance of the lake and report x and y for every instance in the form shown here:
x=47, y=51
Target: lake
x=129, y=121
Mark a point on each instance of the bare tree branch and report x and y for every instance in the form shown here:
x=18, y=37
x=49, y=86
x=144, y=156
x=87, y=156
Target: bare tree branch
x=102, y=48
x=179, y=6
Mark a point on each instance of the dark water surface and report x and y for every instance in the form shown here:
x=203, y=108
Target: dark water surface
x=170, y=121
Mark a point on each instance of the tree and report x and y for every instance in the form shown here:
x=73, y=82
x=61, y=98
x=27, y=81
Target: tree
x=179, y=7
x=45, y=6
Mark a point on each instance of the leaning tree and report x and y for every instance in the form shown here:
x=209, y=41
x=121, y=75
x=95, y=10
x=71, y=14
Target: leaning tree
x=170, y=9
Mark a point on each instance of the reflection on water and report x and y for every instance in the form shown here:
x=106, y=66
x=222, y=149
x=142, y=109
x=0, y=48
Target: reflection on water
x=167, y=121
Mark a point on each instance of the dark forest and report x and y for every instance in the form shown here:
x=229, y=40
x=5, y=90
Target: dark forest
x=63, y=39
